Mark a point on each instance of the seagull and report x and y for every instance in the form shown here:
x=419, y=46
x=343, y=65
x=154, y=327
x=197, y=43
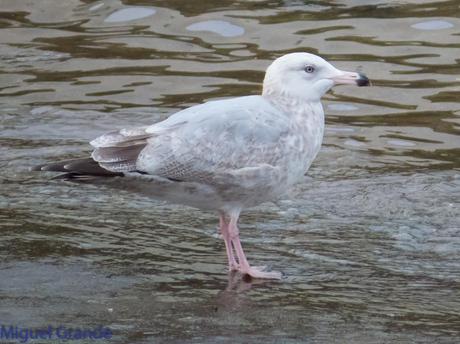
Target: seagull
x=223, y=155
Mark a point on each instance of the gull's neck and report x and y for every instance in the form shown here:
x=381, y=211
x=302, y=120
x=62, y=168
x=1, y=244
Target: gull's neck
x=294, y=106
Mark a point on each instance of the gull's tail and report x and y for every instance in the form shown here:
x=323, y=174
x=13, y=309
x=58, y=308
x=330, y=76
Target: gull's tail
x=115, y=153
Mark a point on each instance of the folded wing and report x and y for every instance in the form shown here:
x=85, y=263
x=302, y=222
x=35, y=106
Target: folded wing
x=216, y=140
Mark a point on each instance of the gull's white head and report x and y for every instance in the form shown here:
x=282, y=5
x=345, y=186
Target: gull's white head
x=306, y=76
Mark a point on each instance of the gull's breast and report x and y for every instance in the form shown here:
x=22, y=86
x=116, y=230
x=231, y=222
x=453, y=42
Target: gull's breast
x=304, y=141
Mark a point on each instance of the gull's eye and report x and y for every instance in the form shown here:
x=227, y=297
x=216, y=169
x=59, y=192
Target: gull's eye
x=309, y=69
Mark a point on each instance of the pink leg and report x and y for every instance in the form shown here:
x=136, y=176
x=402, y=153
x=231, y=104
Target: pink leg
x=244, y=266
x=232, y=263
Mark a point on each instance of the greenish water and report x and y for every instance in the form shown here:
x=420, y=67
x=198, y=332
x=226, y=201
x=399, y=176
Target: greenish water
x=369, y=242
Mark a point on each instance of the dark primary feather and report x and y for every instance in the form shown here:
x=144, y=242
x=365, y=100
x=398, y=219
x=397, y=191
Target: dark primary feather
x=77, y=168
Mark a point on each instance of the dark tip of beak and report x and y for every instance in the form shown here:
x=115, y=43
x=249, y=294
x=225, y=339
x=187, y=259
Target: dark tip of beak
x=362, y=80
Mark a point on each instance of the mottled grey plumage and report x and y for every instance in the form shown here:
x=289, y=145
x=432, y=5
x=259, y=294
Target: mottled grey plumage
x=223, y=155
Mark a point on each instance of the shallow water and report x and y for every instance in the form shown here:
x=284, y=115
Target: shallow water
x=369, y=242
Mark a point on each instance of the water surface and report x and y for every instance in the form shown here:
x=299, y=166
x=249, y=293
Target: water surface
x=369, y=241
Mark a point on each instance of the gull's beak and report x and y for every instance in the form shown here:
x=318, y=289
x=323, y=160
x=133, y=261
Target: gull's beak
x=351, y=78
